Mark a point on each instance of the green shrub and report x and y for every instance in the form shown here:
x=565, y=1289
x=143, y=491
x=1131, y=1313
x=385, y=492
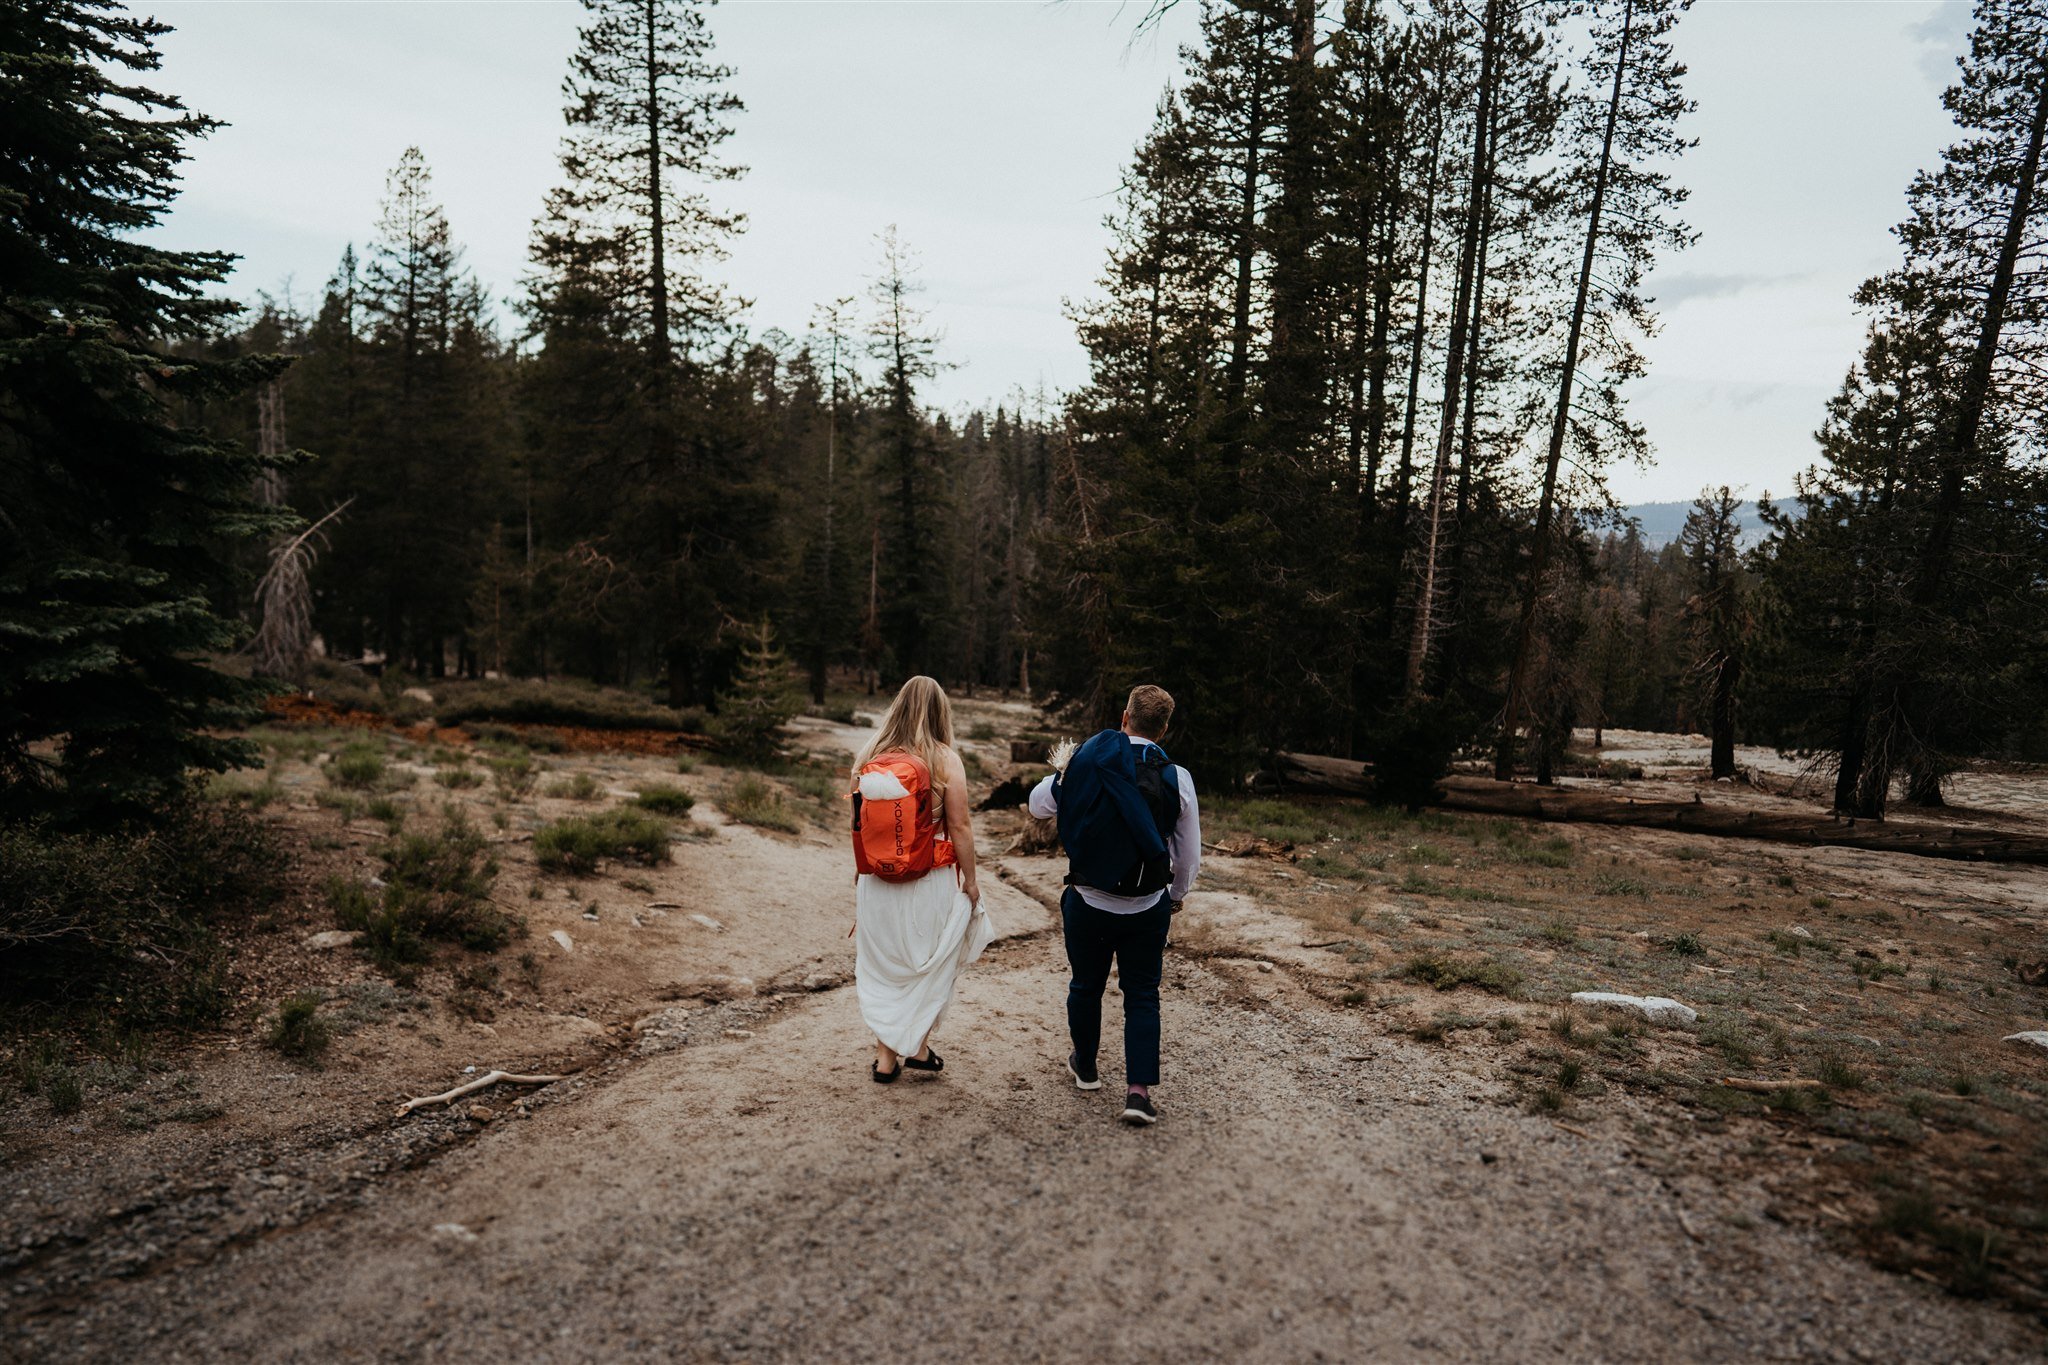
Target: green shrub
x=299, y=1031
x=63, y=1089
x=442, y=883
x=388, y=810
x=390, y=940
x=664, y=800
x=559, y=702
x=437, y=886
x=459, y=777
x=513, y=773
x=751, y=801
x=1449, y=973
x=239, y=790
x=359, y=766
x=575, y=845
x=828, y=789
x=581, y=787
x=1556, y=851
x=121, y=926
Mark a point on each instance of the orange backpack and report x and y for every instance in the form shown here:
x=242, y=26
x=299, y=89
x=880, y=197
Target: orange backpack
x=895, y=824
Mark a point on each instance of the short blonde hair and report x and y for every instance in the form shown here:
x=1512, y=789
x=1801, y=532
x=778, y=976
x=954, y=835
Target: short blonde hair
x=1149, y=709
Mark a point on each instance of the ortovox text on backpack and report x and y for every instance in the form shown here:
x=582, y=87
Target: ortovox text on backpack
x=896, y=819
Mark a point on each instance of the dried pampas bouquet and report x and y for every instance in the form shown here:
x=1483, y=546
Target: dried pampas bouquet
x=1062, y=752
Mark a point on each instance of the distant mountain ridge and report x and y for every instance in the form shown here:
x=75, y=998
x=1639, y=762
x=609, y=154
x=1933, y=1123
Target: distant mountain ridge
x=1661, y=522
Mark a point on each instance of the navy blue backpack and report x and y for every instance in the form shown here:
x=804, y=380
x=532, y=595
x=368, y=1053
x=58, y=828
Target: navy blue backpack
x=1118, y=805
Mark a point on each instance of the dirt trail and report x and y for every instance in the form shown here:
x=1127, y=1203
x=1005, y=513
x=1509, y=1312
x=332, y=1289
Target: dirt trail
x=1317, y=1190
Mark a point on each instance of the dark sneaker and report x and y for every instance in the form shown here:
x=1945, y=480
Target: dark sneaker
x=1084, y=1073
x=1138, y=1110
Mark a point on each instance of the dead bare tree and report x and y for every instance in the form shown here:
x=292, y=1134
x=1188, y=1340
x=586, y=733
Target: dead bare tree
x=284, y=601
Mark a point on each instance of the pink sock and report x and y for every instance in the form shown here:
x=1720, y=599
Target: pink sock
x=1144, y=1090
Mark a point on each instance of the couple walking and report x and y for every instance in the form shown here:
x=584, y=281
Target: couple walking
x=1128, y=820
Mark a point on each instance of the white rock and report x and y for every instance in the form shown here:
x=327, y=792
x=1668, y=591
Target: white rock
x=707, y=922
x=1657, y=1009
x=1800, y=931
x=332, y=938
x=419, y=694
x=2038, y=1037
x=454, y=1232
x=561, y=936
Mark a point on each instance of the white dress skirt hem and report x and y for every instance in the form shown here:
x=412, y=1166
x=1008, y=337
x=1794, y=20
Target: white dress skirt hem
x=910, y=941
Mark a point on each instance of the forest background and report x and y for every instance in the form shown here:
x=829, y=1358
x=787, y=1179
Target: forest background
x=1361, y=359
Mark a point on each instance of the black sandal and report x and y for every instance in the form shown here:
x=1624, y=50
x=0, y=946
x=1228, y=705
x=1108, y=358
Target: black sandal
x=932, y=1063
x=881, y=1077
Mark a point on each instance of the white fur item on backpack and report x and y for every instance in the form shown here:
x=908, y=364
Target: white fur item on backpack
x=882, y=786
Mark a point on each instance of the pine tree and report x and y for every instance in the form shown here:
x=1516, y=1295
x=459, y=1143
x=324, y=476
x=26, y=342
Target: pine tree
x=647, y=113
x=117, y=502
x=402, y=391
x=1630, y=207
x=637, y=379
x=1718, y=615
x=1921, y=528
x=764, y=696
x=826, y=568
x=912, y=480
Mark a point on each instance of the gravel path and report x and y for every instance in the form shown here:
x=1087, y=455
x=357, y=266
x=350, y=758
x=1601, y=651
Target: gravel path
x=1316, y=1190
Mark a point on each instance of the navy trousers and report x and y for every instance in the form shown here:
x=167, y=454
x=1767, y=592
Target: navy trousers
x=1136, y=943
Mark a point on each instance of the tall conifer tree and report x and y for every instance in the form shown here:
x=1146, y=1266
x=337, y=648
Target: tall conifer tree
x=115, y=502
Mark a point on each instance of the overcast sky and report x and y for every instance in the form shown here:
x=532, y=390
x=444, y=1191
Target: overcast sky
x=992, y=132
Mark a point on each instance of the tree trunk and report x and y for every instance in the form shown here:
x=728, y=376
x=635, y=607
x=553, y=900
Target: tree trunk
x=1314, y=774
x=1237, y=376
x=1422, y=634
x=1976, y=387
x=1539, y=550
x=658, y=351
x=1291, y=392
x=1725, y=678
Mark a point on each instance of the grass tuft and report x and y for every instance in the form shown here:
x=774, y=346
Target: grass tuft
x=1448, y=973
x=751, y=801
x=359, y=766
x=574, y=846
x=299, y=1032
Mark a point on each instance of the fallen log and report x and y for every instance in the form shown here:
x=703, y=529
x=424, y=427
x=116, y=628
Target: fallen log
x=1313, y=774
x=1328, y=776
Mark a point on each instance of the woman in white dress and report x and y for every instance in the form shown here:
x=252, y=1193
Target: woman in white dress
x=914, y=929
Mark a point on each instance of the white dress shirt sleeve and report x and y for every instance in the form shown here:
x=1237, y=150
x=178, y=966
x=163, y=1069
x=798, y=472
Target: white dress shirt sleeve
x=1186, y=844
x=1042, y=802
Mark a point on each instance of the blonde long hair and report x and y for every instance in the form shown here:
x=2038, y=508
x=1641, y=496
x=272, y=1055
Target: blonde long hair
x=919, y=721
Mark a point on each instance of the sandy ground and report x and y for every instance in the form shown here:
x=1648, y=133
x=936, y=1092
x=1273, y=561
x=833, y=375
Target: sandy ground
x=720, y=1181
x=1316, y=1192
x=1681, y=757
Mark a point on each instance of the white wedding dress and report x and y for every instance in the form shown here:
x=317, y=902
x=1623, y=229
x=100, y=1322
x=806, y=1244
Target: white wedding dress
x=911, y=939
